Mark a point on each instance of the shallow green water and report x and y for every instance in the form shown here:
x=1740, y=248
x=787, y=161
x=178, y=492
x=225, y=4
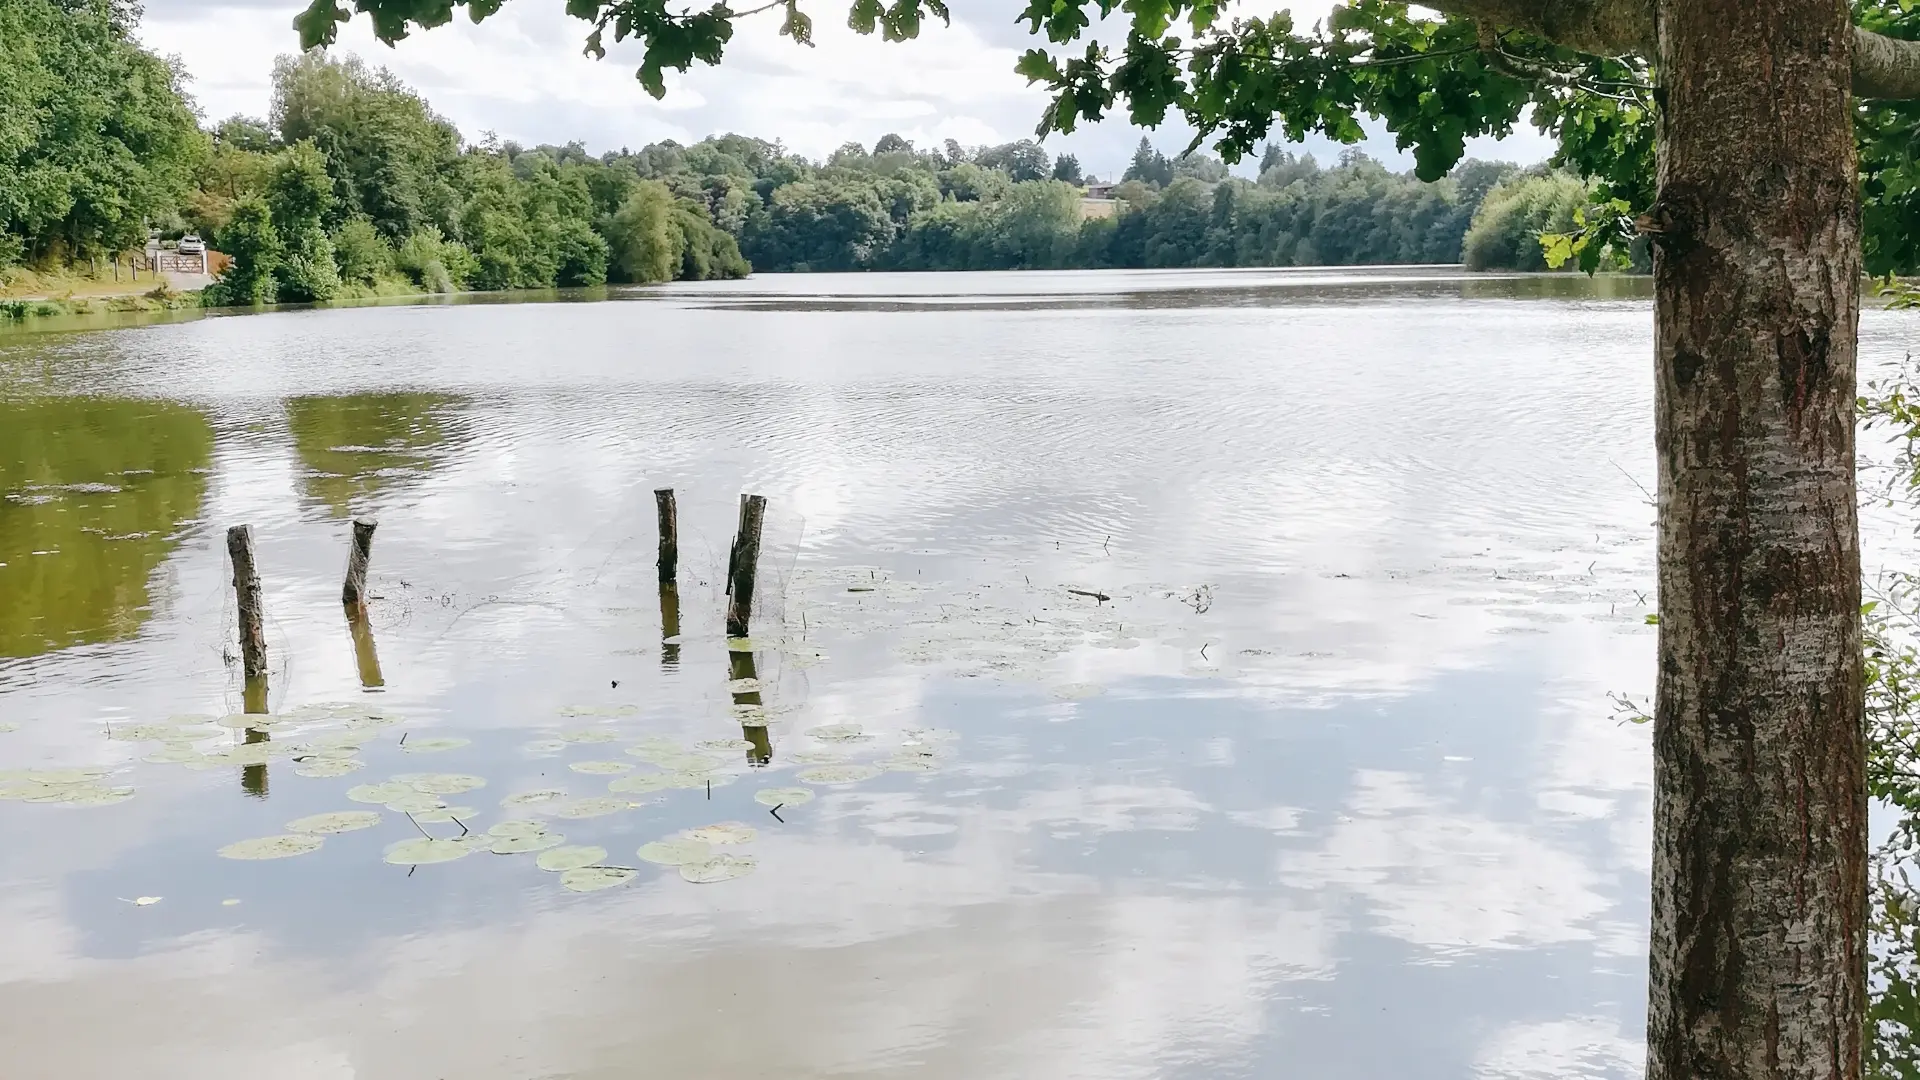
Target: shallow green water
x=1327, y=785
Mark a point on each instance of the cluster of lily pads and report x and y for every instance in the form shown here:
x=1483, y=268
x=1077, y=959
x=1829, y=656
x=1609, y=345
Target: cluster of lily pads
x=208, y=742
x=423, y=798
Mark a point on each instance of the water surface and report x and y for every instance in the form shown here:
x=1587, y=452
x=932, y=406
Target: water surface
x=1327, y=785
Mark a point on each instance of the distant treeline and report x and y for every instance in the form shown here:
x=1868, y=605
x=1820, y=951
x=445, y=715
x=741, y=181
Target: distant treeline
x=354, y=186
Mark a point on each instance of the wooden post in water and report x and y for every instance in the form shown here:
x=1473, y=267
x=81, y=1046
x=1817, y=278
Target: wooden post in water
x=253, y=778
x=354, y=592
x=749, y=706
x=669, y=535
x=744, y=564
x=364, y=655
x=246, y=593
x=669, y=624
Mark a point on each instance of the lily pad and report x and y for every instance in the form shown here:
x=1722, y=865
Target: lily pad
x=528, y=798
x=909, y=763
x=56, y=776
x=380, y=793
x=143, y=733
x=514, y=845
x=783, y=796
x=517, y=827
x=246, y=721
x=726, y=832
x=339, y=821
x=328, y=767
x=172, y=755
x=84, y=795
x=570, y=858
x=643, y=784
x=590, y=735
x=249, y=754
x=272, y=847
x=725, y=744
x=595, y=878
x=717, y=869
x=545, y=746
x=446, y=813
x=598, y=710
x=837, y=732
x=601, y=768
x=741, y=644
x=817, y=757
x=445, y=783
x=414, y=802
x=676, y=850
x=836, y=774
x=592, y=807
x=744, y=686
x=694, y=781
x=8, y=727
x=435, y=744
x=420, y=851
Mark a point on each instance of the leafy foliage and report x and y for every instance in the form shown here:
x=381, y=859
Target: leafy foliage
x=96, y=136
x=1891, y=407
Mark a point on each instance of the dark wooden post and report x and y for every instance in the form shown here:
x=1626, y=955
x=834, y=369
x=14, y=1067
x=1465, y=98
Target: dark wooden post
x=354, y=593
x=743, y=565
x=246, y=593
x=669, y=535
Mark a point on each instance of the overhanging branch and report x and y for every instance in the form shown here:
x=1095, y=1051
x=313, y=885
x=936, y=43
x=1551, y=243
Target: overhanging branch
x=1883, y=67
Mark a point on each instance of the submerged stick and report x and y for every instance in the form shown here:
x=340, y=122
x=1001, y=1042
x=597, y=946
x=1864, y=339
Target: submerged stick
x=354, y=592
x=744, y=564
x=246, y=592
x=669, y=561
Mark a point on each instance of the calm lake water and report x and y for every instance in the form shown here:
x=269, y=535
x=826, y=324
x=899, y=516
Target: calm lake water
x=1329, y=784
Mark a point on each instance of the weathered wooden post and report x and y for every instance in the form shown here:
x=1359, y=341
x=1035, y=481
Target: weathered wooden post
x=744, y=564
x=669, y=561
x=246, y=593
x=354, y=592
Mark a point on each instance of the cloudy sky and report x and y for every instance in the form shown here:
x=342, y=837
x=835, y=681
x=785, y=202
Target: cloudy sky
x=521, y=75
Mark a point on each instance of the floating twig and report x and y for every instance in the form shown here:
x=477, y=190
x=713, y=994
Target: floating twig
x=1099, y=596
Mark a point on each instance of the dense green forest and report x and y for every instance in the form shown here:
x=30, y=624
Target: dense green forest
x=352, y=185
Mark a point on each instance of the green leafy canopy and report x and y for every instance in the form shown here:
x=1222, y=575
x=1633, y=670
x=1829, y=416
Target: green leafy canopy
x=1432, y=80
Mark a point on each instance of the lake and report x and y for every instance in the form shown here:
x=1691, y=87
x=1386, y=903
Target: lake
x=1194, y=674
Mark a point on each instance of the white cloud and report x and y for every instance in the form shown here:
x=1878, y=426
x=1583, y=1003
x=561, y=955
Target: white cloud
x=521, y=75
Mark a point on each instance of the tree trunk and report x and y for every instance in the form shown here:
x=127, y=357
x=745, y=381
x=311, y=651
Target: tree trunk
x=1758, y=965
